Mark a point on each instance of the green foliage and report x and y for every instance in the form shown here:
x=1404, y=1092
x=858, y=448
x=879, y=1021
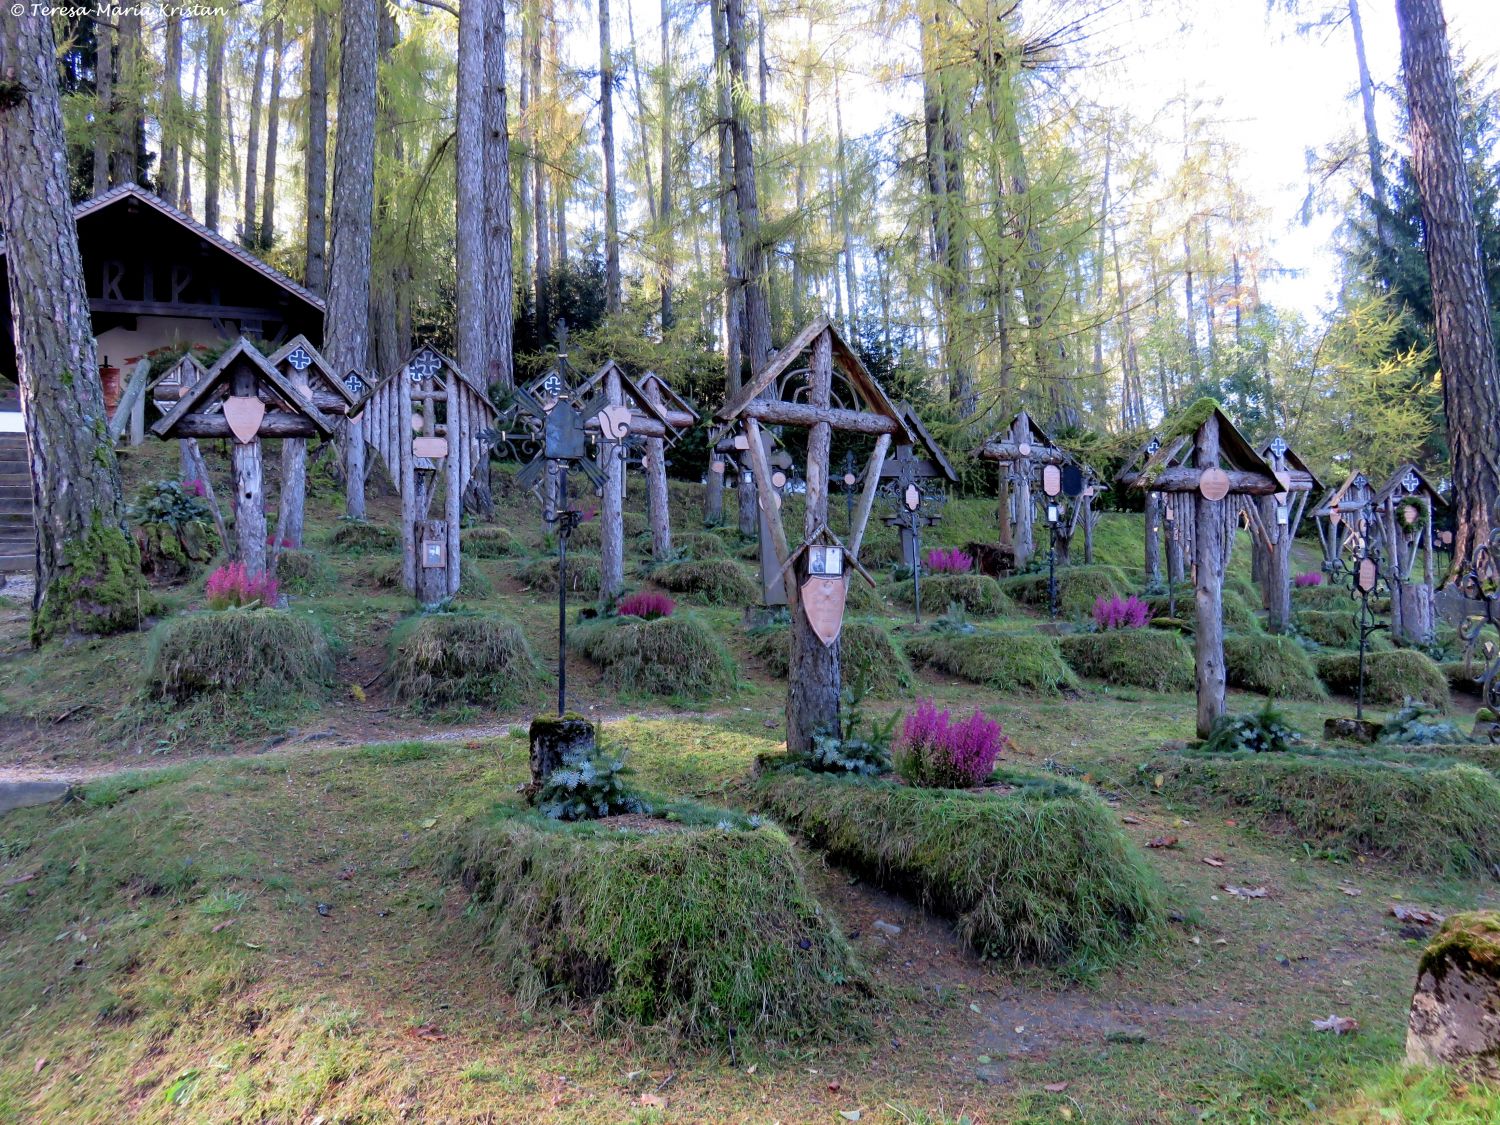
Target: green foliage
x=302, y=572
x=588, y=786
x=1266, y=731
x=1077, y=588
x=1003, y=661
x=977, y=593
x=1439, y=818
x=540, y=574
x=355, y=537
x=478, y=658
x=1148, y=658
x=702, y=932
x=1331, y=628
x=867, y=654
x=717, y=581
x=261, y=653
x=668, y=656
x=1390, y=677
x=1417, y=724
x=1270, y=665
x=860, y=746
x=174, y=529
x=99, y=589
x=1039, y=873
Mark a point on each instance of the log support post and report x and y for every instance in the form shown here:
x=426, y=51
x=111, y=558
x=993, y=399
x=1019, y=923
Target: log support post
x=612, y=506
x=1210, y=516
x=658, y=499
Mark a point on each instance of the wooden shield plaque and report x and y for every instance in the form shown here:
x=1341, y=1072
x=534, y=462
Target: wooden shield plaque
x=1051, y=480
x=432, y=447
x=244, y=414
x=823, y=602
x=1214, y=484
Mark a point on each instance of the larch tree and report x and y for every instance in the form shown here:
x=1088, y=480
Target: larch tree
x=88, y=574
x=1466, y=346
x=612, y=297
x=471, y=249
x=499, y=278
x=315, y=156
x=170, y=111
x=213, y=141
x=273, y=138
x=250, y=215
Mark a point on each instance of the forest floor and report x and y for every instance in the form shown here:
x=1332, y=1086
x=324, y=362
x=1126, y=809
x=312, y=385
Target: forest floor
x=244, y=917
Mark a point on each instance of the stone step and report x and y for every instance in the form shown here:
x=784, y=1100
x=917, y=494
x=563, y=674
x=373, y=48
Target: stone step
x=17, y=563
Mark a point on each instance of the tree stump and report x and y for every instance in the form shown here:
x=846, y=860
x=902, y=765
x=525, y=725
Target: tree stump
x=1455, y=1009
x=553, y=741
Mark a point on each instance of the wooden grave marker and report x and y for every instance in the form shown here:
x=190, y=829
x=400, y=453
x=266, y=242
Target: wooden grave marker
x=681, y=417
x=1274, y=521
x=1404, y=507
x=1019, y=449
x=1339, y=515
x=304, y=366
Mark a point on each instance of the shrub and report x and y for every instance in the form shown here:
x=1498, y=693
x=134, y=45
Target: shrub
x=1417, y=724
x=479, y=658
x=715, y=581
x=950, y=560
x=941, y=754
x=977, y=593
x=588, y=786
x=355, y=537
x=233, y=585
x=1270, y=665
x=1266, y=731
x=1078, y=587
x=300, y=572
x=1040, y=873
x=1390, y=677
x=541, y=574
x=1003, y=661
x=174, y=528
x=1440, y=818
x=1310, y=578
x=1121, y=613
x=867, y=654
x=267, y=653
x=647, y=605
x=489, y=542
x=1149, y=658
x=667, y=656
x=854, y=747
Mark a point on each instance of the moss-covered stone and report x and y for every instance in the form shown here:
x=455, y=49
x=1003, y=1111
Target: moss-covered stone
x=475, y=658
x=98, y=590
x=490, y=542
x=1455, y=1008
x=540, y=573
x=715, y=581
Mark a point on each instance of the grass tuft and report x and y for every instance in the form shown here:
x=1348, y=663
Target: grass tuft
x=302, y=572
x=716, y=581
x=1390, y=677
x=675, y=655
x=1148, y=658
x=540, y=574
x=354, y=537
x=978, y=594
x=260, y=652
x=867, y=653
x=1003, y=661
x=1040, y=873
x=480, y=658
x=1270, y=665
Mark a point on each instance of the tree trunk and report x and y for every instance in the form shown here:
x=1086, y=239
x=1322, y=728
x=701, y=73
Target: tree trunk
x=757, y=297
x=1466, y=348
x=249, y=224
x=128, y=96
x=539, y=198
x=845, y=220
x=347, y=319
x=1208, y=592
x=1153, y=538
x=1276, y=563
x=1372, y=133
x=500, y=281
x=731, y=238
x=185, y=195
x=213, y=142
x=104, y=98
x=612, y=503
x=664, y=212
x=526, y=210
x=171, y=107
x=315, y=159
x=249, y=505
x=658, y=498
x=612, y=297
x=273, y=132
x=75, y=482
x=472, y=252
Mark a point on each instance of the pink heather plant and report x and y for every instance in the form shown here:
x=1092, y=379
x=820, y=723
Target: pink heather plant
x=949, y=561
x=231, y=585
x=194, y=487
x=1311, y=578
x=935, y=752
x=646, y=605
x=1121, y=613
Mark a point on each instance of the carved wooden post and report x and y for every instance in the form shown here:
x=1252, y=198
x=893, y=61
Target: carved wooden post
x=1153, y=538
x=1024, y=536
x=1019, y=449
x=1404, y=507
x=1208, y=590
x=612, y=506
x=658, y=498
x=1274, y=529
x=249, y=506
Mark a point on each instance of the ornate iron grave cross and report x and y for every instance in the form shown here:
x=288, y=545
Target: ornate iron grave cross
x=1363, y=574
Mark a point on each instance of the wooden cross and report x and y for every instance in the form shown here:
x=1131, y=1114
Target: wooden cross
x=1019, y=449
x=1404, y=507
x=1273, y=522
x=813, y=679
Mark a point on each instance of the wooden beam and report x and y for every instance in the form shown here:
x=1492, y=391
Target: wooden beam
x=1184, y=479
x=1010, y=451
x=867, y=494
x=180, y=308
x=126, y=406
x=765, y=493
x=276, y=424
x=779, y=413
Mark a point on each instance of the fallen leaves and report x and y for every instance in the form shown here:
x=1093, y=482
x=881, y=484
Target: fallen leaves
x=1162, y=842
x=1213, y=861
x=1338, y=1025
x=427, y=1032
x=1247, y=892
x=1055, y=1087
x=1416, y=914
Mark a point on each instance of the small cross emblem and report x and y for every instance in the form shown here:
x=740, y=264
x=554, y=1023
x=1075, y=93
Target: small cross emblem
x=1411, y=481
x=354, y=384
x=424, y=365
x=1278, y=447
x=299, y=359
x=1152, y=446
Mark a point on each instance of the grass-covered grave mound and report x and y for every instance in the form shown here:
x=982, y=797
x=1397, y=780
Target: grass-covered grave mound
x=251, y=652
x=1077, y=588
x=1393, y=676
x=355, y=537
x=302, y=572
x=1270, y=665
x=700, y=545
x=490, y=542
x=1331, y=628
x=1149, y=658
x=1325, y=596
x=868, y=656
x=701, y=924
x=1037, y=870
x=385, y=574
x=540, y=573
x=979, y=595
x=478, y=658
x=676, y=655
x=1436, y=817
x=1003, y=661
x=717, y=581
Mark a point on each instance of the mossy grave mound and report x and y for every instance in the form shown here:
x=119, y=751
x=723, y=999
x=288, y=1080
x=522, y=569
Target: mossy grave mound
x=472, y=658
x=714, y=581
x=867, y=655
x=1148, y=658
x=979, y=595
x=355, y=537
x=1003, y=661
x=700, y=545
x=385, y=574
x=1438, y=817
x=1326, y=596
x=540, y=574
x=490, y=542
x=1331, y=628
x=668, y=656
x=302, y=572
x=1393, y=676
x=1037, y=870
x=1238, y=614
x=251, y=652
x=703, y=930
x=1275, y=666
x=1077, y=588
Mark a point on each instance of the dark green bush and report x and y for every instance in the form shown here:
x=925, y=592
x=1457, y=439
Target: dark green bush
x=1148, y=658
x=1266, y=731
x=589, y=786
x=1270, y=665
x=1417, y=724
x=1003, y=661
x=1393, y=676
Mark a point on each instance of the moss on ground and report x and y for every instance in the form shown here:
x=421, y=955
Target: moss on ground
x=867, y=655
x=1439, y=818
x=1041, y=872
x=1275, y=666
x=540, y=573
x=1077, y=588
x=669, y=656
x=1390, y=677
x=979, y=595
x=99, y=589
x=1148, y=658
x=700, y=545
x=717, y=581
x=1326, y=596
x=355, y=537
x=255, y=652
x=1003, y=661
x=490, y=542
x=1471, y=939
x=474, y=658
x=1331, y=628
x=302, y=572
x=708, y=933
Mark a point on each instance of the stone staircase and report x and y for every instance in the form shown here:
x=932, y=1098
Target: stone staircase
x=17, y=537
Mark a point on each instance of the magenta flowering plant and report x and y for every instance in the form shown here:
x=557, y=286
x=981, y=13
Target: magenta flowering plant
x=936, y=752
x=646, y=605
x=1121, y=613
x=232, y=586
x=194, y=487
x=949, y=560
x=1311, y=578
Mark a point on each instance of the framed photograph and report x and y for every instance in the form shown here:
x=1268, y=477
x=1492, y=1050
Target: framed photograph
x=434, y=554
x=828, y=562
